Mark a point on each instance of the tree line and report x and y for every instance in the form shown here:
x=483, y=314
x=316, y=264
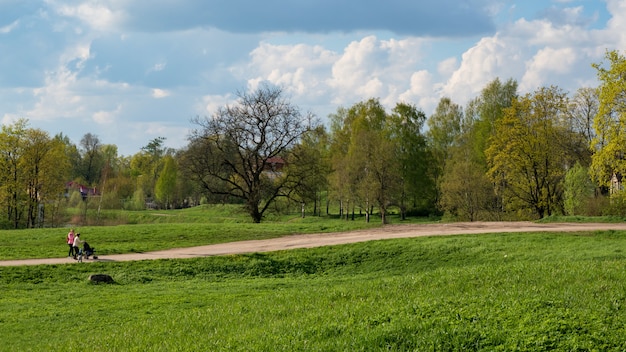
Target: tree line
x=503, y=156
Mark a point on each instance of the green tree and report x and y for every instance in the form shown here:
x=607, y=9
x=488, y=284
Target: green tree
x=417, y=188
x=372, y=158
x=260, y=126
x=46, y=170
x=466, y=192
x=444, y=127
x=526, y=156
x=13, y=179
x=380, y=159
x=92, y=161
x=33, y=172
x=578, y=190
x=465, y=189
x=341, y=188
x=309, y=166
x=484, y=112
x=166, y=183
x=609, y=124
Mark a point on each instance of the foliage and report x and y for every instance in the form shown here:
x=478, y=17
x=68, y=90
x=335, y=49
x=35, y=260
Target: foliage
x=578, y=190
x=309, y=164
x=617, y=204
x=379, y=159
x=369, y=161
x=526, y=156
x=33, y=172
x=166, y=183
x=466, y=192
x=610, y=121
x=484, y=112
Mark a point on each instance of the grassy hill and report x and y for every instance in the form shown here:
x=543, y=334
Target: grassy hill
x=497, y=292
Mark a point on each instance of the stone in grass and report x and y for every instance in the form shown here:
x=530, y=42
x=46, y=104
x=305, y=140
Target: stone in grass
x=101, y=278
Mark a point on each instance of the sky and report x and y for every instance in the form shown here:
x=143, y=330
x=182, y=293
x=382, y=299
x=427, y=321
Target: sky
x=132, y=71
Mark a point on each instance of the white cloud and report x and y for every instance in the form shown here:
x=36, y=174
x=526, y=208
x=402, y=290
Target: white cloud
x=300, y=68
x=421, y=91
x=92, y=13
x=160, y=93
x=371, y=68
x=447, y=66
x=160, y=66
x=491, y=57
x=10, y=27
x=106, y=117
x=546, y=63
x=210, y=103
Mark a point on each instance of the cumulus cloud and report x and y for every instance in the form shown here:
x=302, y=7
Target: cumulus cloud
x=545, y=63
x=299, y=68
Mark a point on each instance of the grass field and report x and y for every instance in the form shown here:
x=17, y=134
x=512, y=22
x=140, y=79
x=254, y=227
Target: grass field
x=497, y=292
x=156, y=230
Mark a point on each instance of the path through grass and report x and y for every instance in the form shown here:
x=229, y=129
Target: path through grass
x=507, y=292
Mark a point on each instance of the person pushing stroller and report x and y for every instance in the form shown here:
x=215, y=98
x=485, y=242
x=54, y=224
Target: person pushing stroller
x=85, y=251
x=89, y=251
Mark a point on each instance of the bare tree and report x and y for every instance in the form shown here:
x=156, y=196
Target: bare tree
x=240, y=145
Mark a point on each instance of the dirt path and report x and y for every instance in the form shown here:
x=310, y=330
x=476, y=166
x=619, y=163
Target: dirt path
x=328, y=239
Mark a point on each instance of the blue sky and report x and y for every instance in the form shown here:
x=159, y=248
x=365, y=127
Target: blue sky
x=131, y=71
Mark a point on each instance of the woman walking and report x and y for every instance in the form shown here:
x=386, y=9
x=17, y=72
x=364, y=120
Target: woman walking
x=70, y=242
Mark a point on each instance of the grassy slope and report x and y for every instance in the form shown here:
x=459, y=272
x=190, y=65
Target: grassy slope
x=526, y=292
x=155, y=230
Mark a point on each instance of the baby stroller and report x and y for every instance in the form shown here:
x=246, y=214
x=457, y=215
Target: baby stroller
x=89, y=251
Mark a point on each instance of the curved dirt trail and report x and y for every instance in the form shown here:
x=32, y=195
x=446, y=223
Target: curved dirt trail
x=335, y=238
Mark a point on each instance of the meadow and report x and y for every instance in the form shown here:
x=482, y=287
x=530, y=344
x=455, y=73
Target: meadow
x=496, y=292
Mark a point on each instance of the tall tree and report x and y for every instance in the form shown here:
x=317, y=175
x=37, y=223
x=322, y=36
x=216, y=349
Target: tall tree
x=33, y=171
x=417, y=189
x=466, y=192
x=12, y=175
x=341, y=189
x=309, y=164
x=243, y=137
x=444, y=127
x=609, y=124
x=372, y=159
x=526, y=158
x=92, y=161
x=578, y=190
x=584, y=107
x=488, y=110
x=166, y=183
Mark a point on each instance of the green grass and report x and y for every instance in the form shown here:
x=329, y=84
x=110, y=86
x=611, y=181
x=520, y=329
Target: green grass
x=157, y=230
x=580, y=218
x=499, y=292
